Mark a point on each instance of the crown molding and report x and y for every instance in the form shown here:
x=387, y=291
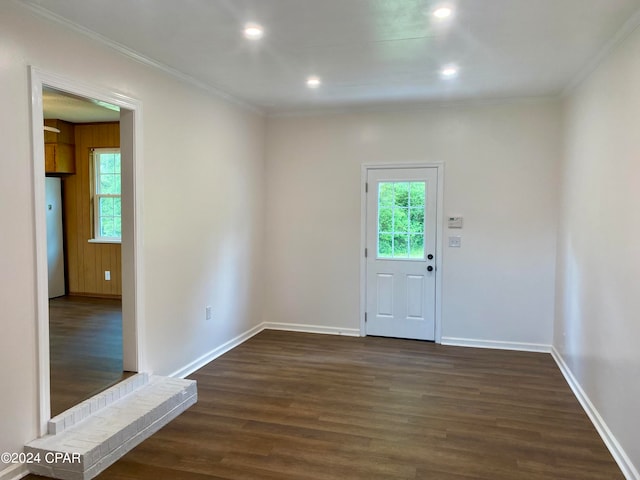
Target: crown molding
x=413, y=106
x=138, y=57
x=630, y=26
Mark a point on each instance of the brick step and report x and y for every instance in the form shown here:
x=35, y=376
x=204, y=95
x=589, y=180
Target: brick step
x=87, y=439
x=96, y=403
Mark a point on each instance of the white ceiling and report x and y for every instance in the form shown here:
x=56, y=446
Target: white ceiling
x=74, y=109
x=366, y=51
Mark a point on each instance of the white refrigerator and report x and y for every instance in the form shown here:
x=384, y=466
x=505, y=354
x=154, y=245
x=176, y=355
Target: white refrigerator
x=55, y=247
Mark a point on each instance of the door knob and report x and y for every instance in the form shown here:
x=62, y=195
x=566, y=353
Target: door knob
x=430, y=256
x=429, y=268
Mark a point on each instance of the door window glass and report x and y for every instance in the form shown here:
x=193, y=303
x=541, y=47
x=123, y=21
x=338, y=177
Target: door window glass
x=401, y=220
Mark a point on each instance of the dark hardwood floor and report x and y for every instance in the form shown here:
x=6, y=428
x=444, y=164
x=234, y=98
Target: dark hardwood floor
x=286, y=406
x=85, y=342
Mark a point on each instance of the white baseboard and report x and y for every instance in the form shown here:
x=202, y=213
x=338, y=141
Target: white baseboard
x=618, y=453
x=297, y=327
x=234, y=342
x=14, y=472
x=216, y=352
x=349, y=332
x=497, y=344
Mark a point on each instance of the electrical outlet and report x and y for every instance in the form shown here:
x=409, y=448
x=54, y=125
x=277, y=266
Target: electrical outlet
x=209, y=314
x=107, y=275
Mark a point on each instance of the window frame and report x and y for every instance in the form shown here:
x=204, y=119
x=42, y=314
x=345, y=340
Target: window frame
x=95, y=196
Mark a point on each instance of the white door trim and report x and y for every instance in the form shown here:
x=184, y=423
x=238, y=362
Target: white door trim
x=132, y=242
x=363, y=237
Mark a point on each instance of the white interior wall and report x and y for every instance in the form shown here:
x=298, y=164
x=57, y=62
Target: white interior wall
x=597, y=326
x=203, y=209
x=501, y=164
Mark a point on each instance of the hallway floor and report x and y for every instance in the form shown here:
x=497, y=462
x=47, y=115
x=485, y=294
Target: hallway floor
x=85, y=340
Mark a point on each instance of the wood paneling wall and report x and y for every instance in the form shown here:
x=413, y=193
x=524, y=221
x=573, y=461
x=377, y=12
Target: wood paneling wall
x=87, y=262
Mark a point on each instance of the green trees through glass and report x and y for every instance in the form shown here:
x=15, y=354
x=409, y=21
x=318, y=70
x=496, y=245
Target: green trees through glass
x=108, y=191
x=401, y=219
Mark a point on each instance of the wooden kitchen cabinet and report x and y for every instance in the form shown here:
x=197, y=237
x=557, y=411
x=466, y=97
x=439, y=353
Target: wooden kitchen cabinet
x=59, y=158
x=59, y=151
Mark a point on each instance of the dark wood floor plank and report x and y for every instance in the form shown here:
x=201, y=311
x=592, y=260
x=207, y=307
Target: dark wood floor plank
x=85, y=345
x=291, y=406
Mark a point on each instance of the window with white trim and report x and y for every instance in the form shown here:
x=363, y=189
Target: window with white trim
x=107, y=188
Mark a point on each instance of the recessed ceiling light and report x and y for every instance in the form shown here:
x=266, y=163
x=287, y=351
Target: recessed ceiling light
x=253, y=31
x=313, y=81
x=442, y=13
x=450, y=71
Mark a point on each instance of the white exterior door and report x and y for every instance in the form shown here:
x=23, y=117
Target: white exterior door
x=401, y=252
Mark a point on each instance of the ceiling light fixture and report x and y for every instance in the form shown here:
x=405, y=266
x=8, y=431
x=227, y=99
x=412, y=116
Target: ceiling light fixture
x=313, y=82
x=443, y=13
x=253, y=31
x=450, y=71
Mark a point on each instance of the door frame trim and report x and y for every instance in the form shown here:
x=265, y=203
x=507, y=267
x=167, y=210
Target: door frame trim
x=439, y=166
x=132, y=243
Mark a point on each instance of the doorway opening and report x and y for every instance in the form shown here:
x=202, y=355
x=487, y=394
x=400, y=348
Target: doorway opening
x=84, y=233
x=87, y=190
x=401, y=241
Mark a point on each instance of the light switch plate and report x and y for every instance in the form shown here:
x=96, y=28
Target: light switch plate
x=455, y=241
